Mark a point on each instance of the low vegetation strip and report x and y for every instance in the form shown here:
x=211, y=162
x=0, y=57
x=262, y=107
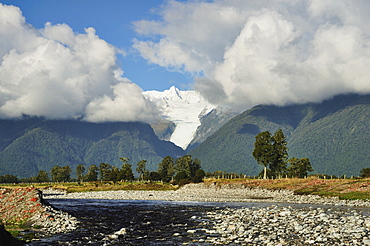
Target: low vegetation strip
x=342, y=188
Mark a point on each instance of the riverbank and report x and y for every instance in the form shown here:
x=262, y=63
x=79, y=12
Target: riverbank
x=210, y=192
x=286, y=225
x=338, y=222
x=292, y=220
x=23, y=210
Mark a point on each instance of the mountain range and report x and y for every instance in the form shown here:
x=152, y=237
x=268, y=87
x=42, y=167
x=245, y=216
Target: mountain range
x=33, y=144
x=333, y=134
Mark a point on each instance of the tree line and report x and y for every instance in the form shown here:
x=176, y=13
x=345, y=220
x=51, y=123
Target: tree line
x=270, y=151
x=179, y=171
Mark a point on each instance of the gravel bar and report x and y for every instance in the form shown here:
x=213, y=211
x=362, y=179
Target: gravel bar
x=319, y=221
x=210, y=193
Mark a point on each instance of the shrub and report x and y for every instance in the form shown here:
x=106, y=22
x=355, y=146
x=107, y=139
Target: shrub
x=183, y=182
x=365, y=173
x=180, y=176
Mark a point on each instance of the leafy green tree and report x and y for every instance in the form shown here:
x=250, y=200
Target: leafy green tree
x=61, y=174
x=66, y=170
x=126, y=170
x=154, y=176
x=42, y=176
x=141, y=169
x=188, y=165
x=7, y=178
x=181, y=176
x=299, y=168
x=80, y=169
x=115, y=174
x=92, y=173
x=105, y=171
x=55, y=173
x=365, y=173
x=166, y=168
x=280, y=154
x=199, y=175
x=263, y=150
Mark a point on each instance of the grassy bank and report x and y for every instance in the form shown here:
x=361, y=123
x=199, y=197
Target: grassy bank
x=342, y=188
x=97, y=186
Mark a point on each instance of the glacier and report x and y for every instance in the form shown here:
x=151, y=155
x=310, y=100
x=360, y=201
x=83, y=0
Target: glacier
x=184, y=108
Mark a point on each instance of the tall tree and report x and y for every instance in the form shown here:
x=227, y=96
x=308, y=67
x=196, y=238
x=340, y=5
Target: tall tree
x=92, y=173
x=115, y=174
x=105, y=171
x=299, y=168
x=263, y=150
x=42, y=176
x=80, y=169
x=166, y=168
x=280, y=154
x=61, y=174
x=187, y=165
x=141, y=169
x=66, y=170
x=126, y=169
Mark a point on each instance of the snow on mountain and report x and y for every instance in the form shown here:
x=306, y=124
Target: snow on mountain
x=184, y=108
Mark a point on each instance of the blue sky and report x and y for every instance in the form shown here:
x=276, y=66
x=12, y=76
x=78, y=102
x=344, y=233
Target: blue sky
x=112, y=21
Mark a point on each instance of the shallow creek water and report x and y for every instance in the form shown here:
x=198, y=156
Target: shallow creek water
x=129, y=222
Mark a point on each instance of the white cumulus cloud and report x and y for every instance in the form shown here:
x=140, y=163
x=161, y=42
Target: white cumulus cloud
x=263, y=52
x=57, y=73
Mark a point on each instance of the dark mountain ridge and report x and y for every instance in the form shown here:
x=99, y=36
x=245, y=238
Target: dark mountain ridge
x=33, y=144
x=333, y=134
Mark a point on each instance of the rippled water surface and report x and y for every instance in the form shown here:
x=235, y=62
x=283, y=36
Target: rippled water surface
x=141, y=222
x=146, y=222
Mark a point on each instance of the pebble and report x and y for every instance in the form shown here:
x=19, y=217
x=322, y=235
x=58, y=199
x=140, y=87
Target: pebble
x=336, y=223
x=53, y=221
x=257, y=226
x=211, y=193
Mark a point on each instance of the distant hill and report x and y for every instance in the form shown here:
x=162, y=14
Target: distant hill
x=334, y=135
x=33, y=144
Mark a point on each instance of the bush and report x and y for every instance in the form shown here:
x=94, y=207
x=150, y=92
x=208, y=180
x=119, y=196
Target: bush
x=183, y=182
x=199, y=175
x=154, y=176
x=365, y=173
x=180, y=176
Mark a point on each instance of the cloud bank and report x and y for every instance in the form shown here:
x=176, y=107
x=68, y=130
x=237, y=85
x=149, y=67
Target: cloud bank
x=245, y=53
x=56, y=73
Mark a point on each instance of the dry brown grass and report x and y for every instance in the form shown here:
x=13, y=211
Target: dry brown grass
x=343, y=188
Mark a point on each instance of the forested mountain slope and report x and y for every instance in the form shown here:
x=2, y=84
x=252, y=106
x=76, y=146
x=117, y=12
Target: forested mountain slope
x=33, y=144
x=333, y=134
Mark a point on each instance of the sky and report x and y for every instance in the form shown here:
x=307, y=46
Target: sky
x=92, y=59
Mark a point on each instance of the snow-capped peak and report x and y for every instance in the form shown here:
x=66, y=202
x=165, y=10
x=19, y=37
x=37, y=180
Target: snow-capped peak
x=184, y=108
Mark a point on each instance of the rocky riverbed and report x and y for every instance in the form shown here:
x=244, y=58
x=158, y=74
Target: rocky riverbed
x=280, y=225
x=25, y=207
x=210, y=193
x=292, y=220
x=329, y=222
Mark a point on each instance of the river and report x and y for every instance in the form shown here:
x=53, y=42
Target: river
x=144, y=222
x=137, y=222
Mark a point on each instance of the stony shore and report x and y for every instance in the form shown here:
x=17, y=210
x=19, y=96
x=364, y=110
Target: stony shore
x=25, y=207
x=210, y=193
x=337, y=222
x=333, y=222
